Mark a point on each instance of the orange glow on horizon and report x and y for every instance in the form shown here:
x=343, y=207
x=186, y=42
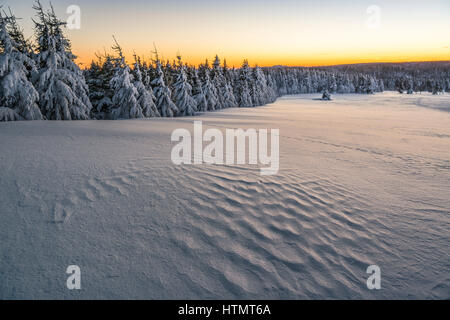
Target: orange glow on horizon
x=267, y=33
x=85, y=59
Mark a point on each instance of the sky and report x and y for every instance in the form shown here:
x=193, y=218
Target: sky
x=266, y=32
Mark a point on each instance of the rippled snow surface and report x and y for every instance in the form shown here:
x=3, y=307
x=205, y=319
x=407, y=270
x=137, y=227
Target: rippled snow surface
x=363, y=180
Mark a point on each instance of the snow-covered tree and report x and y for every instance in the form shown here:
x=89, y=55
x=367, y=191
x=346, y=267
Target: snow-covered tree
x=169, y=74
x=399, y=85
x=197, y=92
x=372, y=85
x=437, y=88
x=242, y=86
x=146, y=99
x=182, y=93
x=146, y=77
x=209, y=90
x=409, y=86
x=380, y=85
x=219, y=82
x=260, y=92
x=18, y=97
x=15, y=32
x=292, y=83
x=229, y=100
x=271, y=89
x=93, y=80
x=98, y=77
x=63, y=93
x=125, y=103
x=163, y=94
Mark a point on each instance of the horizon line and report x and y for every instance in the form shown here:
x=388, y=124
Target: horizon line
x=81, y=64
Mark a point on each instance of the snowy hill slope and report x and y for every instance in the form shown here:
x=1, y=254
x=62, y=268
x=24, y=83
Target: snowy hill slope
x=363, y=180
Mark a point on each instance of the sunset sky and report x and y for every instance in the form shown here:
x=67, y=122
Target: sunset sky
x=267, y=32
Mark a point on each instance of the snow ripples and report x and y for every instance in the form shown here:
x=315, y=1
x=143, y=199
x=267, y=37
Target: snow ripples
x=363, y=180
x=243, y=235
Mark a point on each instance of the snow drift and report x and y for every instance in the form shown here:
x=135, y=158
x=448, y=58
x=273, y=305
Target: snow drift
x=363, y=180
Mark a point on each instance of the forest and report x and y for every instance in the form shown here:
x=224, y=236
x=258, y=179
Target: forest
x=40, y=80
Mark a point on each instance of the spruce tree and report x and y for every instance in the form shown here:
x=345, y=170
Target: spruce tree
x=197, y=92
x=219, y=82
x=229, y=100
x=163, y=94
x=63, y=93
x=260, y=92
x=94, y=80
x=145, y=98
x=242, y=86
x=18, y=97
x=209, y=90
x=182, y=93
x=102, y=110
x=125, y=99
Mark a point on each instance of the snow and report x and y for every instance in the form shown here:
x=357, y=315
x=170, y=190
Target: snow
x=364, y=179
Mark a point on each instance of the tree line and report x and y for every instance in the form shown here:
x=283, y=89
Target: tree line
x=409, y=77
x=39, y=79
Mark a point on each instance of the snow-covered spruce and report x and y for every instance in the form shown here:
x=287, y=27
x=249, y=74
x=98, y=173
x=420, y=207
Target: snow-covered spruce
x=260, y=92
x=16, y=33
x=197, y=92
x=242, y=89
x=18, y=97
x=63, y=93
x=272, y=89
x=163, y=94
x=146, y=99
x=292, y=82
x=182, y=93
x=125, y=99
x=229, y=100
x=98, y=77
x=209, y=90
x=219, y=83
